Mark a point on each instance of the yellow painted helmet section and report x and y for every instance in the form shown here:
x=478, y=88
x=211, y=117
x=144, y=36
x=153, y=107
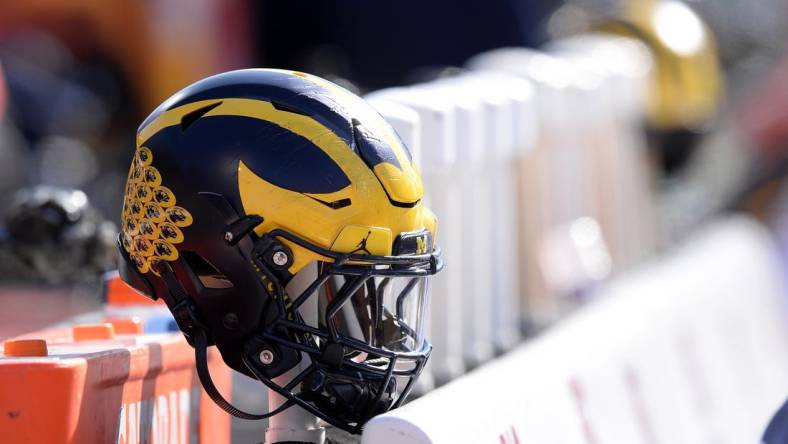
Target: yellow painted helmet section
x=403, y=184
x=686, y=88
x=371, y=219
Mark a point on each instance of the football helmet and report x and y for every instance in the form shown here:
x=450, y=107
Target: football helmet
x=55, y=235
x=281, y=219
x=686, y=89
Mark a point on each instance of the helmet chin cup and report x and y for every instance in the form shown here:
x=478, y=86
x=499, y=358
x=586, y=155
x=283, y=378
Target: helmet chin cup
x=347, y=395
x=354, y=398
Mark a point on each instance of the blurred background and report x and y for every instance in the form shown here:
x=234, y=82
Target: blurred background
x=672, y=114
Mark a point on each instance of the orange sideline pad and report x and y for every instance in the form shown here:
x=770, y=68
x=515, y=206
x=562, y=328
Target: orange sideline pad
x=131, y=388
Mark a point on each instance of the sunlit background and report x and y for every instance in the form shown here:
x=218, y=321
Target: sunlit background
x=648, y=122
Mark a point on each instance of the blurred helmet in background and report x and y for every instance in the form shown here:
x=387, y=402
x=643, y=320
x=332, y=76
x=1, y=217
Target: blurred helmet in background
x=54, y=235
x=686, y=89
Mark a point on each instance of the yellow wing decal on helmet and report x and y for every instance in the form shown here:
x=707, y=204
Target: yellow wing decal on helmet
x=304, y=126
x=282, y=208
x=403, y=183
x=401, y=186
x=339, y=220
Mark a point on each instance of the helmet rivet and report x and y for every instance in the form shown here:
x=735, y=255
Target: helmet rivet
x=280, y=258
x=266, y=357
x=230, y=321
x=228, y=236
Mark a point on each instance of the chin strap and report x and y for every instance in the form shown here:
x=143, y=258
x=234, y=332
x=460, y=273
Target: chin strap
x=185, y=314
x=201, y=359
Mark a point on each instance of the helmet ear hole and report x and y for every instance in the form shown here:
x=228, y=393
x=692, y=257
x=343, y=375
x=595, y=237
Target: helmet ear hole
x=205, y=272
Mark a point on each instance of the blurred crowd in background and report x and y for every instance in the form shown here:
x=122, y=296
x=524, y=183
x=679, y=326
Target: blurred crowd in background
x=78, y=76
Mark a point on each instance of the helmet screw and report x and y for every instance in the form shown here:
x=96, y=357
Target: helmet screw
x=266, y=356
x=228, y=237
x=230, y=321
x=280, y=258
